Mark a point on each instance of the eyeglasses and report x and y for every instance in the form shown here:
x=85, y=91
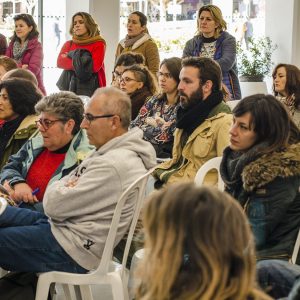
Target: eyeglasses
x=165, y=75
x=116, y=74
x=127, y=79
x=45, y=123
x=90, y=117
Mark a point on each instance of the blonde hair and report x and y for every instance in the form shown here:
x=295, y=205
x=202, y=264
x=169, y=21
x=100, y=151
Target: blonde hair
x=216, y=14
x=198, y=246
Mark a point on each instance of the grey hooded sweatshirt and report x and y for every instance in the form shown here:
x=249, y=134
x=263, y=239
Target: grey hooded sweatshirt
x=80, y=206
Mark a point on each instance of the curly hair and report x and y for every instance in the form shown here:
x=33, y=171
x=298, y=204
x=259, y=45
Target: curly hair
x=23, y=95
x=64, y=105
x=28, y=19
x=198, y=246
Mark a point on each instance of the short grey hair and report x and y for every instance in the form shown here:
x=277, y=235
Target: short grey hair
x=116, y=102
x=64, y=105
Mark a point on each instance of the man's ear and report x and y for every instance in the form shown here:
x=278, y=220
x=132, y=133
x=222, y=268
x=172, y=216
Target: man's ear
x=207, y=87
x=116, y=122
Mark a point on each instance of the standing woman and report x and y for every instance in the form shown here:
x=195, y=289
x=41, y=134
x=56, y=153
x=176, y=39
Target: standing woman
x=85, y=35
x=261, y=169
x=214, y=42
x=138, y=40
x=286, y=87
x=25, y=48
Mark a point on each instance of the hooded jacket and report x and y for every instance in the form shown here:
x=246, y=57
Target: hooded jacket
x=80, y=206
x=267, y=187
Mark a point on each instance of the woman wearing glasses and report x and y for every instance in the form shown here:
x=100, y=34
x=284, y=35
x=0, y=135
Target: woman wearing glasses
x=157, y=117
x=25, y=48
x=58, y=147
x=138, y=40
x=17, y=100
x=139, y=83
x=214, y=42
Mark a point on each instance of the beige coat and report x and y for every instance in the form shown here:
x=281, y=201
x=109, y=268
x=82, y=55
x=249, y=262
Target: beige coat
x=207, y=141
x=145, y=46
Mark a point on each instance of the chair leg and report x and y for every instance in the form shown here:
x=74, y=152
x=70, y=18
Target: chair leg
x=86, y=292
x=42, y=290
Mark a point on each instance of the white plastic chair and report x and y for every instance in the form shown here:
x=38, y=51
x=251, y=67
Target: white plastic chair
x=296, y=249
x=117, y=279
x=213, y=163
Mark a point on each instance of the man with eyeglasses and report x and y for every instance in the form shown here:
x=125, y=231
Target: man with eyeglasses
x=55, y=150
x=79, y=207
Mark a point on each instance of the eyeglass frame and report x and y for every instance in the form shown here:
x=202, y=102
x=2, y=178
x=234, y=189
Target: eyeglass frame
x=92, y=118
x=41, y=122
x=125, y=79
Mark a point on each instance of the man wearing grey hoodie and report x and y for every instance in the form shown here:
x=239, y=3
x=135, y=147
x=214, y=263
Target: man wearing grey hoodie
x=79, y=208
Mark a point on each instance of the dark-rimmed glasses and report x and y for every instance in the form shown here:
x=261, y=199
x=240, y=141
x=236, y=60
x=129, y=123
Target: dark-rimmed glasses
x=89, y=117
x=46, y=123
x=127, y=80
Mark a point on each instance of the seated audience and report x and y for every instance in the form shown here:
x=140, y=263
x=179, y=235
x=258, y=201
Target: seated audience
x=198, y=246
x=52, y=153
x=79, y=207
x=138, y=82
x=125, y=60
x=6, y=64
x=261, y=169
x=203, y=122
x=286, y=86
x=157, y=117
x=17, y=100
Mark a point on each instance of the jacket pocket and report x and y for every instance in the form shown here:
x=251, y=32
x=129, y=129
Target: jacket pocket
x=203, y=144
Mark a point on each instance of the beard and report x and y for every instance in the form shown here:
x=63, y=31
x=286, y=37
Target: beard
x=187, y=102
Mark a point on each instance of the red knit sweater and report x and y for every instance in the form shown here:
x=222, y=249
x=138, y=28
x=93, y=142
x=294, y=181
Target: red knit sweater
x=42, y=169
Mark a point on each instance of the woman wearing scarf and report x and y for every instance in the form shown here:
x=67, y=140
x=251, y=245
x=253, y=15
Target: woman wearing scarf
x=25, y=48
x=85, y=35
x=138, y=40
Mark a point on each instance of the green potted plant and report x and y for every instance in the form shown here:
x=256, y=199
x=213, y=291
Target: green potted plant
x=255, y=63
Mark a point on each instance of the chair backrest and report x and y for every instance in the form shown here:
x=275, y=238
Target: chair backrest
x=296, y=249
x=213, y=163
x=136, y=190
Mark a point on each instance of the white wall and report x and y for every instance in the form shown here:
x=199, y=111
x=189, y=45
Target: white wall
x=282, y=26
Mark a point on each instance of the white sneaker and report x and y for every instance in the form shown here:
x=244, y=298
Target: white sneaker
x=3, y=204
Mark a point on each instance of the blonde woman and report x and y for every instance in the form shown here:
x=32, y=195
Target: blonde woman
x=199, y=246
x=213, y=41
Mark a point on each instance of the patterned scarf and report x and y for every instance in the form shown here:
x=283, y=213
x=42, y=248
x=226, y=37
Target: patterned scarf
x=130, y=41
x=289, y=103
x=18, y=50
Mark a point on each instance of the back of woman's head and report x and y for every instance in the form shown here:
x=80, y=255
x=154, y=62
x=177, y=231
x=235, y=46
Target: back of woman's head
x=90, y=24
x=198, y=246
x=270, y=121
x=127, y=59
x=173, y=64
x=216, y=13
x=8, y=63
x=28, y=19
x=22, y=94
x=142, y=74
x=292, y=85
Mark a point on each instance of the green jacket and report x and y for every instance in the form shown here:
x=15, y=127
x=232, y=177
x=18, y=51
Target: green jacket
x=22, y=134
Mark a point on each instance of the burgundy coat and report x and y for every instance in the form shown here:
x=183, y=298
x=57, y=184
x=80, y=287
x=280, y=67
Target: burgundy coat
x=33, y=57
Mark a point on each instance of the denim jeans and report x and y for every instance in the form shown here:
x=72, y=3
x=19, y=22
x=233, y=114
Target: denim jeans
x=277, y=277
x=28, y=245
